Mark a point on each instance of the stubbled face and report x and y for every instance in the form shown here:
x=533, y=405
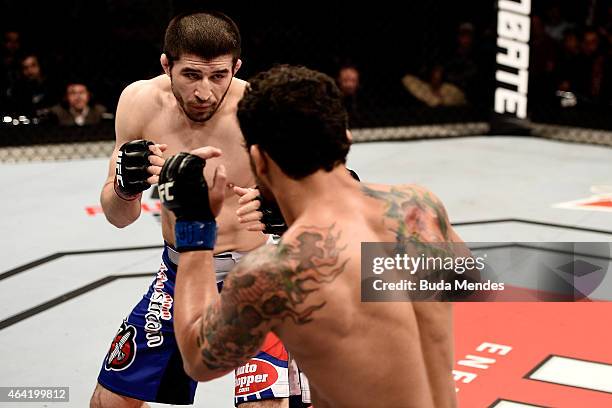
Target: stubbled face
x=31, y=68
x=77, y=96
x=200, y=85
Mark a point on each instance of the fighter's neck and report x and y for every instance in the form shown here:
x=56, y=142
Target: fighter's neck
x=315, y=194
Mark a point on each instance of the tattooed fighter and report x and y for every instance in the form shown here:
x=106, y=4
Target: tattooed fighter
x=307, y=289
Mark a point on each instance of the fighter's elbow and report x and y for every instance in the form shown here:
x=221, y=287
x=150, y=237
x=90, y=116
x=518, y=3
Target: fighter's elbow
x=117, y=221
x=120, y=217
x=198, y=371
x=192, y=371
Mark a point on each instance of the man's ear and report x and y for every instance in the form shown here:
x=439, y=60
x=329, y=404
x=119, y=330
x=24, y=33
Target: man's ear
x=165, y=63
x=237, y=66
x=349, y=135
x=260, y=160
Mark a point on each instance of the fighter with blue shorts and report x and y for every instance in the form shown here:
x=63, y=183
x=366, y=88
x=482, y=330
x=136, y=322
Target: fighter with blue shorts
x=193, y=104
x=143, y=361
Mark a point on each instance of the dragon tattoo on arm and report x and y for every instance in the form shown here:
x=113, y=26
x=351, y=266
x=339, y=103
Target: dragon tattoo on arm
x=269, y=285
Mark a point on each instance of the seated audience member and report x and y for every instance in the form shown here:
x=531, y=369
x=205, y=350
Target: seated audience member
x=461, y=67
x=9, y=64
x=76, y=110
x=593, y=63
x=434, y=92
x=34, y=91
x=555, y=23
x=348, y=81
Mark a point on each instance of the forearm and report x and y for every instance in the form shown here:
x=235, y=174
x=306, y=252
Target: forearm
x=118, y=211
x=194, y=294
x=205, y=324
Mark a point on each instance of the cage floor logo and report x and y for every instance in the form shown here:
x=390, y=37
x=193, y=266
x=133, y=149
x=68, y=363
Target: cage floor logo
x=594, y=203
x=533, y=355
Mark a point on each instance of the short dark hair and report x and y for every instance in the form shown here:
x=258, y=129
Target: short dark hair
x=206, y=34
x=76, y=81
x=297, y=117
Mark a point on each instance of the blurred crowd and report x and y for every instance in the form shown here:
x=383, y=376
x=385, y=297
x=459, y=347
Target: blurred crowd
x=388, y=67
x=572, y=59
x=29, y=93
x=570, y=65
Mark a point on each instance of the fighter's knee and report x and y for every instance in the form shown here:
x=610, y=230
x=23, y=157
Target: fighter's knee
x=103, y=398
x=96, y=397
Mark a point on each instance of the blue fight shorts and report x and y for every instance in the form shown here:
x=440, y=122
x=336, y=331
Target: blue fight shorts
x=144, y=362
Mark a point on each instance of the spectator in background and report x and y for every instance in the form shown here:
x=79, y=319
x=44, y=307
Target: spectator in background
x=556, y=25
x=542, y=58
x=348, y=81
x=10, y=47
x=581, y=67
x=76, y=109
x=462, y=67
x=605, y=27
x=605, y=31
x=434, y=92
x=34, y=91
x=542, y=62
x=568, y=63
x=592, y=65
x=9, y=70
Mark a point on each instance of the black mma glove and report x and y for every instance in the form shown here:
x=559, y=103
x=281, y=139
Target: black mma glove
x=131, y=170
x=184, y=191
x=271, y=214
x=271, y=217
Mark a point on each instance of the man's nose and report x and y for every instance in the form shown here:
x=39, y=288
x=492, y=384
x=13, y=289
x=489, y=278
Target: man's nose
x=203, y=91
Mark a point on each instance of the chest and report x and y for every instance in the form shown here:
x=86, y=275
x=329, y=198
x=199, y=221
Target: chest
x=223, y=133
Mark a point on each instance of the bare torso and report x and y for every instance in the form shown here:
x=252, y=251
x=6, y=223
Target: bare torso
x=163, y=122
x=356, y=354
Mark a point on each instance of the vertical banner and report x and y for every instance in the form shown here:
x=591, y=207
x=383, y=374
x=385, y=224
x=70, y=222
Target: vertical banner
x=512, y=67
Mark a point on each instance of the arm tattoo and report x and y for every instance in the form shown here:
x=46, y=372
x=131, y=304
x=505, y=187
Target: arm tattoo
x=404, y=205
x=406, y=211
x=269, y=285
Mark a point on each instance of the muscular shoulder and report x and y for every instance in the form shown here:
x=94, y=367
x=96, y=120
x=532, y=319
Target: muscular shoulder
x=403, y=195
x=138, y=104
x=414, y=208
x=145, y=94
x=282, y=281
x=236, y=92
x=239, y=86
x=265, y=257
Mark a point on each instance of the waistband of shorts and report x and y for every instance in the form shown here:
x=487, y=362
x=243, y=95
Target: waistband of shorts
x=173, y=254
